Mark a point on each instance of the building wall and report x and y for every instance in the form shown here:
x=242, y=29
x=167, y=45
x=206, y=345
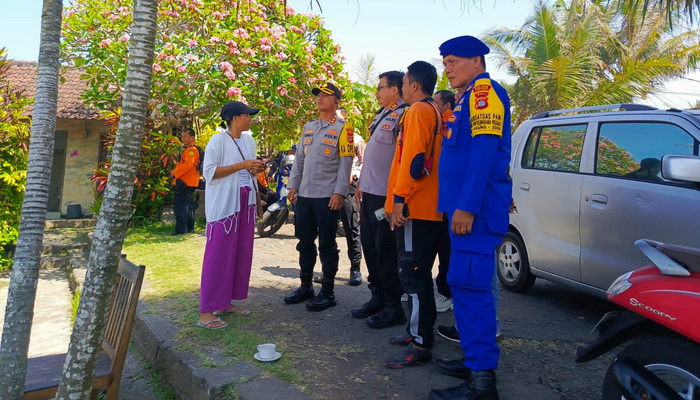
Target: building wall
x=82, y=156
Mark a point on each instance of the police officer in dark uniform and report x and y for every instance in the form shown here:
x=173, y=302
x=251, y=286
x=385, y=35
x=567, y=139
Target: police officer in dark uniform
x=320, y=177
x=384, y=308
x=475, y=192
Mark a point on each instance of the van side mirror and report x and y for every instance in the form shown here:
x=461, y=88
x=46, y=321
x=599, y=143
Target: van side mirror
x=683, y=168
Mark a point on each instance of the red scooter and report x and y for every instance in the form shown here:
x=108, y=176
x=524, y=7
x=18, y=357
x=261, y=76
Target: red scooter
x=660, y=328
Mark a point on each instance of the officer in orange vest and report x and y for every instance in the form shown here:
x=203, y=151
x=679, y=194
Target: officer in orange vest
x=186, y=179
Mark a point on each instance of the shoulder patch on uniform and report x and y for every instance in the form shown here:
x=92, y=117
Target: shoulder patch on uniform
x=346, y=148
x=482, y=88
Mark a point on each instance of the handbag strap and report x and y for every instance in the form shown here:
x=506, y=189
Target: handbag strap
x=252, y=177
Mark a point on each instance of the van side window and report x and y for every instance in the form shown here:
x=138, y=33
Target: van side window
x=555, y=148
x=634, y=150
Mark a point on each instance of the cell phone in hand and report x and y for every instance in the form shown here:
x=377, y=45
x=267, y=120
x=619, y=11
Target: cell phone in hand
x=405, y=211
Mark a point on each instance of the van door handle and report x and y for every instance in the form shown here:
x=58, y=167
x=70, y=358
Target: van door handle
x=599, y=198
x=525, y=187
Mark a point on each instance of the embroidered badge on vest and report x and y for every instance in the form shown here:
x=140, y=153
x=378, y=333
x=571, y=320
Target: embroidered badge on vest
x=346, y=139
x=394, y=114
x=327, y=151
x=386, y=126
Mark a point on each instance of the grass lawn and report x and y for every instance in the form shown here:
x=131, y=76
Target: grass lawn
x=173, y=267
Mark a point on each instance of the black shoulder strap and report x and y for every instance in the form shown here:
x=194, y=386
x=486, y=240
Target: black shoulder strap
x=438, y=122
x=374, y=127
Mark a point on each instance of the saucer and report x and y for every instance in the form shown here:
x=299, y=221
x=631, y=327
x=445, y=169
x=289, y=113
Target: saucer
x=275, y=358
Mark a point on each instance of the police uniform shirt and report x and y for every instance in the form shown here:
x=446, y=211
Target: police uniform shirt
x=474, y=162
x=380, y=148
x=324, y=159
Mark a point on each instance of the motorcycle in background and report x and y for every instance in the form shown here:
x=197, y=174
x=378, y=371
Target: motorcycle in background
x=660, y=327
x=278, y=213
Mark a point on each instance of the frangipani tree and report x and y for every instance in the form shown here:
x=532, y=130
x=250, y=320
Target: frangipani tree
x=207, y=53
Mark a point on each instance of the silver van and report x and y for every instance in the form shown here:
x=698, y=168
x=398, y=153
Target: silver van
x=589, y=182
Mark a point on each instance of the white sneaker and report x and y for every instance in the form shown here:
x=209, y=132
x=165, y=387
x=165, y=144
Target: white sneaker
x=404, y=297
x=442, y=303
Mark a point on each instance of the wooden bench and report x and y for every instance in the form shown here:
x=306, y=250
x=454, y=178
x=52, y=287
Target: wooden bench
x=44, y=373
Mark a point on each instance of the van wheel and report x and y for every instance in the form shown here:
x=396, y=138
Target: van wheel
x=513, y=265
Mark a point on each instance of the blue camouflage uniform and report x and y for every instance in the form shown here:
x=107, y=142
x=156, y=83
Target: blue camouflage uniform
x=474, y=178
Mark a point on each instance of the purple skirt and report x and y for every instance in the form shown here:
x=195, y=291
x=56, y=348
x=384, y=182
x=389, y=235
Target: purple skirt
x=228, y=257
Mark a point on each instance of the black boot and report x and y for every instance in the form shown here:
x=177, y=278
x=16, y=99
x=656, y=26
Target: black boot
x=391, y=314
x=303, y=292
x=481, y=386
x=355, y=274
x=325, y=298
x=371, y=307
x=454, y=368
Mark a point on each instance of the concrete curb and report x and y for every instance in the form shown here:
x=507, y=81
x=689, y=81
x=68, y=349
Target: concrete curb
x=154, y=336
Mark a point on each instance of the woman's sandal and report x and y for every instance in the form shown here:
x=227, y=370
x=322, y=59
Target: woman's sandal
x=233, y=310
x=207, y=325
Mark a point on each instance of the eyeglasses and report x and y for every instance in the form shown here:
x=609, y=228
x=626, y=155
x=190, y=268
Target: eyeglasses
x=380, y=87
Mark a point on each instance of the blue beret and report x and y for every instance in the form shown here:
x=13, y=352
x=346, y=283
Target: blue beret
x=464, y=46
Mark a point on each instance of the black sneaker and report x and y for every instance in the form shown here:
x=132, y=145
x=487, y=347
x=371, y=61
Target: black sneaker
x=355, y=278
x=401, y=341
x=448, y=332
x=413, y=357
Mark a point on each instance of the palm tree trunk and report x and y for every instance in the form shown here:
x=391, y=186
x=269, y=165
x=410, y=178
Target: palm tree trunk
x=25, y=272
x=116, y=209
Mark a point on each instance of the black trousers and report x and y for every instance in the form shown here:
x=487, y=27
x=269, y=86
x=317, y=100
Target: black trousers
x=443, y=254
x=350, y=218
x=417, y=245
x=314, y=219
x=379, y=246
x=184, y=207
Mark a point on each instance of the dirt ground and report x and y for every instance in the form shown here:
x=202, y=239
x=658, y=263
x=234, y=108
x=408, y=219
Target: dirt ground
x=342, y=358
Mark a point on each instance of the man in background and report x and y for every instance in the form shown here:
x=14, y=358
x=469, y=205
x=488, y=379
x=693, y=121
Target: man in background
x=445, y=101
x=186, y=180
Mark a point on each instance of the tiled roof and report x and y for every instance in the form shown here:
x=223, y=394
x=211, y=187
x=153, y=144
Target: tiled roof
x=22, y=75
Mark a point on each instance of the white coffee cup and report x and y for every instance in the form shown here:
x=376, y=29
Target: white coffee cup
x=267, y=350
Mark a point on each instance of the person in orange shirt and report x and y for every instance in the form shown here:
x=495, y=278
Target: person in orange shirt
x=412, y=208
x=186, y=180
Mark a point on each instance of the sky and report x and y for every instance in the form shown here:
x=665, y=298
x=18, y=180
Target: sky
x=395, y=32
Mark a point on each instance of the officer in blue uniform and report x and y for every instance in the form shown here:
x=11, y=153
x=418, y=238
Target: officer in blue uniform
x=475, y=193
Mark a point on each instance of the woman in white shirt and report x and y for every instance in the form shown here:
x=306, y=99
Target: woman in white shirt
x=230, y=167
